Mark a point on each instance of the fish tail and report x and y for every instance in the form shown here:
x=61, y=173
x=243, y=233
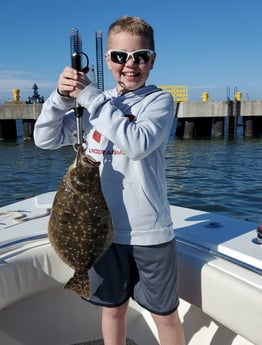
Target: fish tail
x=79, y=283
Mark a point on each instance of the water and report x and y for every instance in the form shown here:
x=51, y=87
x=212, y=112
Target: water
x=215, y=175
x=222, y=176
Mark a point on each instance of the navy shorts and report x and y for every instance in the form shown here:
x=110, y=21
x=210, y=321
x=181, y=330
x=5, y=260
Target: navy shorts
x=148, y=274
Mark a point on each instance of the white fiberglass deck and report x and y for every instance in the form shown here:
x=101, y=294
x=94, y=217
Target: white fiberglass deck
x=220, y=268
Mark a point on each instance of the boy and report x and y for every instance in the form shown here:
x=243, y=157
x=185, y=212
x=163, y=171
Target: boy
x=127, y=129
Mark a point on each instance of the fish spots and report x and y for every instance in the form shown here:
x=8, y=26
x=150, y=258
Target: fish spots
x=80, y=226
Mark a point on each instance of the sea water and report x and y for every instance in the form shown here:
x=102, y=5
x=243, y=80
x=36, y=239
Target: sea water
x=215, y=175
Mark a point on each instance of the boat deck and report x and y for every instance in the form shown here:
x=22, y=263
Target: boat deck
x=220, y=269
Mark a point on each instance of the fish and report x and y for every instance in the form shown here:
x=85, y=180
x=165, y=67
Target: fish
x=80, y=227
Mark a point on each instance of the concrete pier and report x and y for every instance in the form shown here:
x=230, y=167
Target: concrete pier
x=203, y=109
x=251, y=108
x=10, y=112
x=17, y=111
x=219, y=118
x=194, y=119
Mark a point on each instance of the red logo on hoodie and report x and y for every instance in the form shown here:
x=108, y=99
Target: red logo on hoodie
x=97, y=136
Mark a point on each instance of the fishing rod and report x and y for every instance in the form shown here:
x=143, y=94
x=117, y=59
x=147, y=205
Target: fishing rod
x=76, y=63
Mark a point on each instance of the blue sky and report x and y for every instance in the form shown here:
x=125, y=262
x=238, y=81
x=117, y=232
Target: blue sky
x=211, y=46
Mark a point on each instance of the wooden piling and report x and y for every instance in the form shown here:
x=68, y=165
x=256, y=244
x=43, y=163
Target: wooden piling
x=189, y=129
x=248, y=122
x=219, y=127
x=28, y=129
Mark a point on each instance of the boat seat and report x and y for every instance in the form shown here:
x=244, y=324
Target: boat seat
x=30, y=269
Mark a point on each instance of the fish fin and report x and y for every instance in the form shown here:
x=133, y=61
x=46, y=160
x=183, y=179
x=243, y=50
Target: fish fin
x=79, y=283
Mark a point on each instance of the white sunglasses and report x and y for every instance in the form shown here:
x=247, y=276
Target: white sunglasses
x=141, y=56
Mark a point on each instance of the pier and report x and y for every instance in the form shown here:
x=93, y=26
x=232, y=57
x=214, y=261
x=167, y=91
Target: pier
x=11, y=112
x=14, y=110
x=219, y=118
x=194, y=119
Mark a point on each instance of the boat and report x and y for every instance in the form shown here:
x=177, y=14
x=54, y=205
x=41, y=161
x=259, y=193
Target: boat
x=220, y=270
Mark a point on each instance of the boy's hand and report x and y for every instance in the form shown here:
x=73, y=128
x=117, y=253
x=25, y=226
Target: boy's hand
x=71, y=82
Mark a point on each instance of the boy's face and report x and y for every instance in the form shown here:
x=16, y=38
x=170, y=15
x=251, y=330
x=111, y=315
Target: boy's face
x=129, y=75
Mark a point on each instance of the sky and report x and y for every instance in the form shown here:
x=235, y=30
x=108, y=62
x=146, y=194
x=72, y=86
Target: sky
x=209, y=46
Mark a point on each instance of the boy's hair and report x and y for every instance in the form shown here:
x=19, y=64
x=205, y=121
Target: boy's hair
x=133, y=25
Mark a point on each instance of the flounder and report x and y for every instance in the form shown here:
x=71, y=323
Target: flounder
x=80, y=227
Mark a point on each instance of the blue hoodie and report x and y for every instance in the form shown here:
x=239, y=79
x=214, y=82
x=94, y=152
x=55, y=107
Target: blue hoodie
x=128, y=134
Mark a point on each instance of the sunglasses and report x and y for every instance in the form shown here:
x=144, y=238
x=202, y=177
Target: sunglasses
x=141, y=56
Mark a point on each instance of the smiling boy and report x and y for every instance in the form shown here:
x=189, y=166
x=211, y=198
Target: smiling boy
x=127, y=130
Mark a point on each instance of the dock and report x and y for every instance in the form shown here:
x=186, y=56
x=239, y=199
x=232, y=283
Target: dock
x=12, y=111
x=194, y=119
x=219, y=118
